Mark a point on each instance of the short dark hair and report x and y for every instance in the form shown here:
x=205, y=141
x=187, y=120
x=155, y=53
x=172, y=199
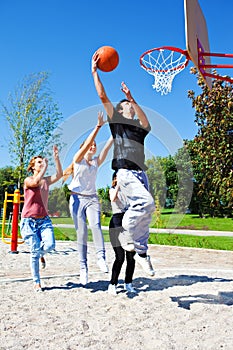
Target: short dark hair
x=118, y=106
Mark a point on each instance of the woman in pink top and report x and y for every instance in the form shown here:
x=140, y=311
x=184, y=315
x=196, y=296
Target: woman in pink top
x=36, y=226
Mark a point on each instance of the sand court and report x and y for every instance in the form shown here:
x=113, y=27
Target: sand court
x=188, y=304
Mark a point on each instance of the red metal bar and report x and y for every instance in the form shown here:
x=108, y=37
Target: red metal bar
x=216, y=65
x=15, y=220
x=219, y=77
x=214, y=54
x=203, y=66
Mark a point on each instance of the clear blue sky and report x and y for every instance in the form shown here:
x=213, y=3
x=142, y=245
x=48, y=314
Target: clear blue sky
x=60, y=37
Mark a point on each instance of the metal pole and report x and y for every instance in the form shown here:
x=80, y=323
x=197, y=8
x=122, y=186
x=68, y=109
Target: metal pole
x=15, y=220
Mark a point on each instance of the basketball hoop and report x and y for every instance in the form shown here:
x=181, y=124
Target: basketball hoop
x=164, y=63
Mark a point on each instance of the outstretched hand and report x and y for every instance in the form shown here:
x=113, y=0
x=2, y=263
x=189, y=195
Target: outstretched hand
x=55, y=152
x=126, y=90
x=94, y=62
x=101, y=121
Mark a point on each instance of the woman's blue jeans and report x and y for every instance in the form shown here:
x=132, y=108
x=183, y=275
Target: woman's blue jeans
x=39, y=236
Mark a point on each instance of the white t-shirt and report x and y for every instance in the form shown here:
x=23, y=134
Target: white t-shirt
x=119, y=205
x=84, y=180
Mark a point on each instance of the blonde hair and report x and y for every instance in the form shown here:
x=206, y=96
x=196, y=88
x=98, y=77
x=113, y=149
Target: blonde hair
x=70, y=169
x=32, y=163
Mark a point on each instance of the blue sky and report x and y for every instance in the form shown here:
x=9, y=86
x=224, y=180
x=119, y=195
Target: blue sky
x=60, y=37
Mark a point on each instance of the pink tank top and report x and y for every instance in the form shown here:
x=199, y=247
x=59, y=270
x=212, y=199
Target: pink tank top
x=36, y=201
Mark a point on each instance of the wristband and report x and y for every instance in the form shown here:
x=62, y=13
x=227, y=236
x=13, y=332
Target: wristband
x=98, y=126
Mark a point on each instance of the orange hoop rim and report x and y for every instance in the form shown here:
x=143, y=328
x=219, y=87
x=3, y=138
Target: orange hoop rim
x=168, y=48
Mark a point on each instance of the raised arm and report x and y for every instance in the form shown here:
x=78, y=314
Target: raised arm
x=100, y=88
x=34, y=181
x=57, y=176
x=104, y=151
x=79, y=155
x=138, y=111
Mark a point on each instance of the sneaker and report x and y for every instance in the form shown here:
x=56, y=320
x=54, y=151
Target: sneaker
x=126, y=241
x=129, y=288
x=102, y=265
x=83, y=277
x=145, y=264
x=112, y=289
x=43, y=262
x=37, y=288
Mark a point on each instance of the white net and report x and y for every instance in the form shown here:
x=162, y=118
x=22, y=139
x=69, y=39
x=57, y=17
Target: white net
x=164, y=65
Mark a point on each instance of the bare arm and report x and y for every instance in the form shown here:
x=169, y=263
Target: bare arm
x=113, y=193
x=34, y=181
x=139, y=112
x=79, y=155
x=100, y=88
x=104, y=152
x=57, y=176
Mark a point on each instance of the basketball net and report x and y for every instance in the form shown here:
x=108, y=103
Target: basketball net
x=164, y=64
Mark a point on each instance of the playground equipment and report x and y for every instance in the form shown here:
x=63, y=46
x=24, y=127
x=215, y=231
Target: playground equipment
x=14, y=238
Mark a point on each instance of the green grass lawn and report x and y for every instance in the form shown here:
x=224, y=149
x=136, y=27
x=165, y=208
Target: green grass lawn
x=210, y=242
x=188, y=221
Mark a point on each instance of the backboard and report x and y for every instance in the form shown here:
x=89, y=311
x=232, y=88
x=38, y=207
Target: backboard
x=197, y=40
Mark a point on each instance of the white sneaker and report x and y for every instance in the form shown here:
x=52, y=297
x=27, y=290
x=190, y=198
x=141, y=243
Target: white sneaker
x=83, y=277
x=112, y=289
x=129, y=288
x=102, y=265
x=126, y=241
x=145, y=264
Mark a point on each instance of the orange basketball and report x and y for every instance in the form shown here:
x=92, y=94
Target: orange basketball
x=108, y=58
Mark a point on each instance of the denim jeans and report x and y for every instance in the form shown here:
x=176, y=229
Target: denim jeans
x=39, y=236
x=81, y=209
x=137, y=218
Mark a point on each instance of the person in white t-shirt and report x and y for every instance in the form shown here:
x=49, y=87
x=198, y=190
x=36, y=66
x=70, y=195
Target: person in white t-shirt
x=84, y=203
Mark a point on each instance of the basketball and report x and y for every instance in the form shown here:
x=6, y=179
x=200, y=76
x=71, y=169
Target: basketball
x=108, y=58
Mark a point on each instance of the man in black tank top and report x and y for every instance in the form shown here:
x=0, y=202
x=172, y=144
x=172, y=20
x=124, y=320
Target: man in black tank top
x=128, y=161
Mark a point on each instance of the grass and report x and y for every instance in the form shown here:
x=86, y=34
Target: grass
x=210, y=242
x=194, y=222
x=187, y=221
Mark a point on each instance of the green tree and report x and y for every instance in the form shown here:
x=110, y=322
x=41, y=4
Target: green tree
x=103, y=194
x=58, y=203
x=212, y=147
x=32, y=116
x=157, y=178
x=8, y=182
x=171, y=179
x=184, y=183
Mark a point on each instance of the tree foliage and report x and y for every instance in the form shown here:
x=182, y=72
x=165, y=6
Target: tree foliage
x=103, y=194
x=32, y=116
x=58, y=203
x=8, y=183
x=212, y=148
x=171, y=179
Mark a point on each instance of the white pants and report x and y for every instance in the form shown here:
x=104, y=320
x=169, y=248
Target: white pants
x=137, y=218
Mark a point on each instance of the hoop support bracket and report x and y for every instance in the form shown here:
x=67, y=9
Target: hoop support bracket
x=204, y=66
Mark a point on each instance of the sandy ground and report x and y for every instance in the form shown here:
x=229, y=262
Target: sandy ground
x=188, y=304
